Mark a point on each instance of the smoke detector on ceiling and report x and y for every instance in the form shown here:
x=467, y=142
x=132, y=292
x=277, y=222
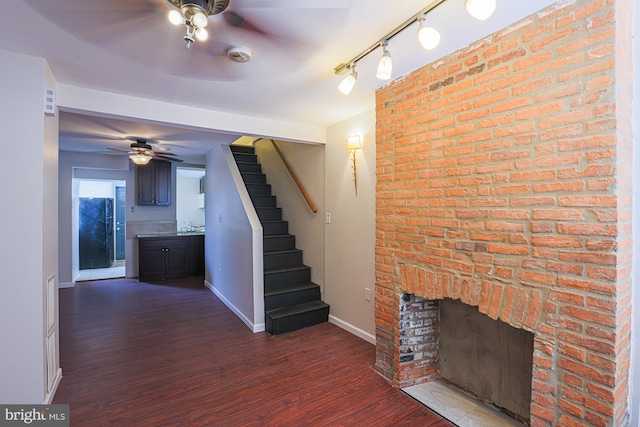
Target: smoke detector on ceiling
x=239, y=54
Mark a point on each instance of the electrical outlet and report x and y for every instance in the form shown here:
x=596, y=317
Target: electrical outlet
x=327, y=217
x=367, y=294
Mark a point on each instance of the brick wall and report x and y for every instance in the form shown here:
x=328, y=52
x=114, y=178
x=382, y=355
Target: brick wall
x=504, y=180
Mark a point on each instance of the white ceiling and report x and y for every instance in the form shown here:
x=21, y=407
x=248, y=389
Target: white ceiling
x=129, y=47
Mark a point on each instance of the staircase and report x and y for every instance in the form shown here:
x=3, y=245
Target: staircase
x=291, y=300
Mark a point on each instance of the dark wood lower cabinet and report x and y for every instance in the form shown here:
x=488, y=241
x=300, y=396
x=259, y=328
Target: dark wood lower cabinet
x=165, y=257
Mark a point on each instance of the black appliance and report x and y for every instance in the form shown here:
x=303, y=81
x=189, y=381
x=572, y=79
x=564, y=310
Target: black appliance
x=96, y=232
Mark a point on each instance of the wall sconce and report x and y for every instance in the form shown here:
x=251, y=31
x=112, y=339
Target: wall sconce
x=354, y=143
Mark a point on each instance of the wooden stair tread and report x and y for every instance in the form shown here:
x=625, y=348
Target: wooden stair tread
x=292, y=288
x=297, y=309
x=283, y=251
x=282, y=270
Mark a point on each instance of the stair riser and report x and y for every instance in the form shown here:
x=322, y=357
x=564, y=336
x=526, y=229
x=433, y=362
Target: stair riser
x=258, y=189
x=295, y=322
x=254, y=178
x=278, y=243
x=242, y=149
x=282, y=260
x=249, y=167
x=245, y=158
x=263, y=201
x=269, y=214
x=291, y=298
x=279, y=280
x=271, y=228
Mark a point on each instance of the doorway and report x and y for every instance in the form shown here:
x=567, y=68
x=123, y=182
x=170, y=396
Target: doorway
x=190, y=193
x=101, y=229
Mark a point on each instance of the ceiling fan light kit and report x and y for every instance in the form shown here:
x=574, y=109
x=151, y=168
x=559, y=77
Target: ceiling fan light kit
x=428, y=37
x=194, y=15
x=140, y=159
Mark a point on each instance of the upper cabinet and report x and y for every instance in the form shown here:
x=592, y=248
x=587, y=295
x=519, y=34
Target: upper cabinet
x=153, y=183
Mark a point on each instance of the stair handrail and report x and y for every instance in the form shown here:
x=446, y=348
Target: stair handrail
x=295, y=178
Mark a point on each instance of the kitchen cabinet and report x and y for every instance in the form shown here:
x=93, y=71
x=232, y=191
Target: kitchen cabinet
x=170, y=256
x=153, y=183
x=197, y=243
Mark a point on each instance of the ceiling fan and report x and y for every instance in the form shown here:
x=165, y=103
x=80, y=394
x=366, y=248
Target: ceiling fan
x=141, y=152
x=271, y=35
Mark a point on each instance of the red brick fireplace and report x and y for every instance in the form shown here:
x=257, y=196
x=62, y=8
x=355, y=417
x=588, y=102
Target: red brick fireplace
x=504, y=181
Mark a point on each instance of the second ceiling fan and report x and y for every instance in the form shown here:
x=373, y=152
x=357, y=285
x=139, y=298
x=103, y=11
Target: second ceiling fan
x=142, y=152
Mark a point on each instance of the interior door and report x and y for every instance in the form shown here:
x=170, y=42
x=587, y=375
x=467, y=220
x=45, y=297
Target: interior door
x=121, y=200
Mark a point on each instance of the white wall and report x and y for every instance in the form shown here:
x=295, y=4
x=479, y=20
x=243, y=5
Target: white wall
x=101, y=189
x=233, y=241
x=28, y=227
x=307, y=161
x=101, y=103
x=350, y=237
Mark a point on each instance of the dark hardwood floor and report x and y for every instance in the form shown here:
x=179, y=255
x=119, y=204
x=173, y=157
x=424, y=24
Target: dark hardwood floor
x=138, y=354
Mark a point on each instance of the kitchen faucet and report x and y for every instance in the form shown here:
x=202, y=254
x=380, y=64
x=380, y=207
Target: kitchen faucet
x=187, y=227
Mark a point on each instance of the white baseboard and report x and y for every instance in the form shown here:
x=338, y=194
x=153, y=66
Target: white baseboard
x=354, y=330
x=66, y=285
x=56, y=383
x=258, y=327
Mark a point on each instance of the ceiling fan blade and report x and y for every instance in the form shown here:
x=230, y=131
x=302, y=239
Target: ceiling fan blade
x=307, y=4
x=163, y=153
x=119, y=150
x=169, y=158
x=90, y=15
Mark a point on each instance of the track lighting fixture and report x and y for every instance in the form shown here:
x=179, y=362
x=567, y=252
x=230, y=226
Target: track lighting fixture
x=349, y=81
x=428, y=37
x=480, y=9
x=385, y=65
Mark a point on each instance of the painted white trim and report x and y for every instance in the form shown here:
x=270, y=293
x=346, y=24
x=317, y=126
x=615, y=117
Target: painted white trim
x=49, y=397
x=352, y=329
x=67, y=285
x=259, y=327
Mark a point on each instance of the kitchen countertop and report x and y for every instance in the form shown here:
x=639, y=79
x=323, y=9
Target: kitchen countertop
x=177, y=234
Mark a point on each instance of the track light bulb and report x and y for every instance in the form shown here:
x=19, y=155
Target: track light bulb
x=347, y=84
x=175, y=17
x=200, y=20
x=480, y=9
x=385, y=66
x=429, y=37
